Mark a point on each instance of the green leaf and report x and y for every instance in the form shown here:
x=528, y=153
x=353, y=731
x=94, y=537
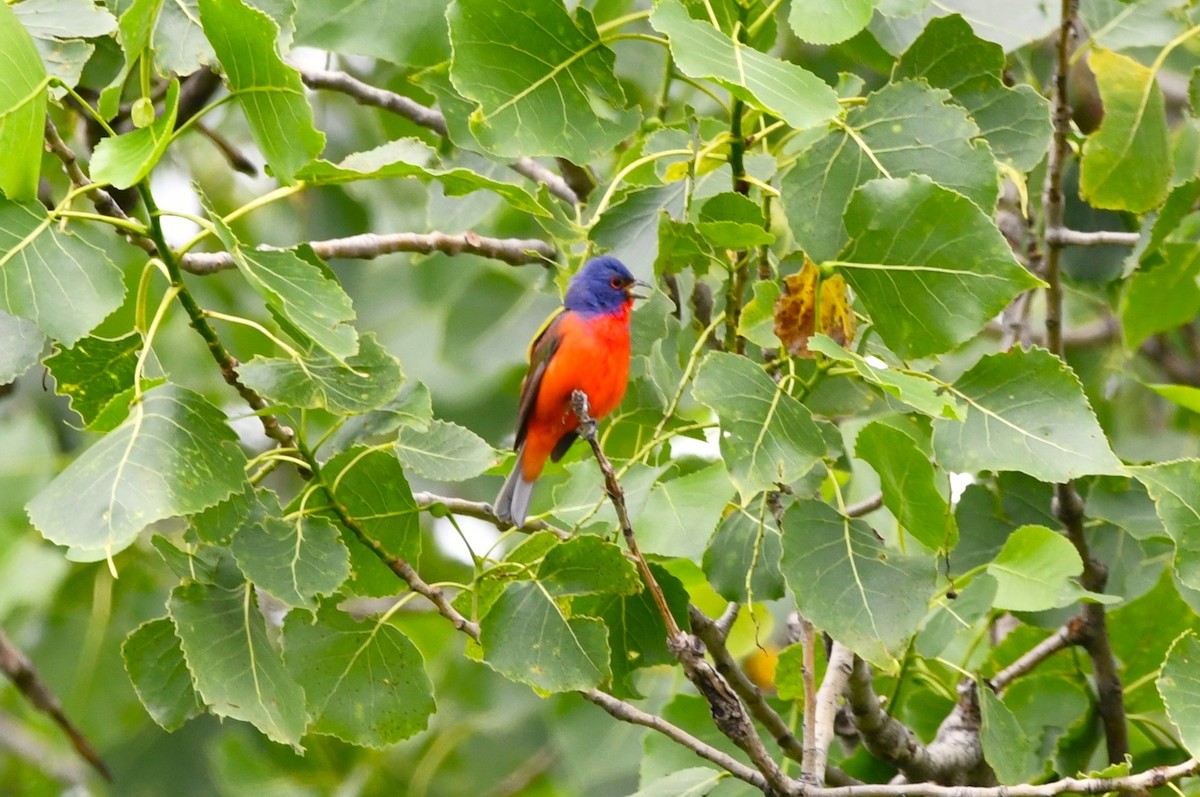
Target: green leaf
x=1184, y=396
x=1126, y=163
x=830, y=21
x=681, y=513
x=22, y=111
x=1172, y=485
x=742, y=558
x=757, y=321
x=1179, y=685
x=906, y=128
x=269, y=91
x=681, y=246
x=174, y=455
x=779, y=87
x=295, y=560
x=766, y=435
x=866, y=596
x=411, y=157
x=234, y=667
x=1118, y=25
x=1026, y=411
x=60, y=282
x=542, y=82
x=733, y=221
x=21, y=344
x=366, y=381
x=636, y=633
x=343, y=27
x=527, y=638
x=1015, y=121
x=1006, y=746
x=1163, y=293
x=125, y=160
x=154, y=660
x=1011, y=24
x=693, y=782
x=1034, y=571
x=365, y=681
x=909, y=485
x=93, y=371
x=444, y=451
x=371, y=486
x=930, y=267
x=587, y=565
x=912, y=387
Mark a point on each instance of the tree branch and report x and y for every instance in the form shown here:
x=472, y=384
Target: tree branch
x=1061, y=236
x=19, y=669
x=482, y=511
x=1070, y=634
x=366, y=94
x=816, y=747
x=514, y=251
x=884, y=736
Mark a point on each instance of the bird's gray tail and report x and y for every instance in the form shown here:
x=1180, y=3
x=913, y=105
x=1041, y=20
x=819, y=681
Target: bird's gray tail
x=513, y=501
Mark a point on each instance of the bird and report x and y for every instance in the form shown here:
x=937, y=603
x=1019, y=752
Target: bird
x=584, y=345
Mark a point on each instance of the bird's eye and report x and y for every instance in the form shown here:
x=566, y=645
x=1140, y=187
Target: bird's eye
x=615, y=282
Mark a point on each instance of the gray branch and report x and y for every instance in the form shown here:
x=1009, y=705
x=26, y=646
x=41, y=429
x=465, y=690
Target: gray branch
x=1061, y=236
x=816, y=747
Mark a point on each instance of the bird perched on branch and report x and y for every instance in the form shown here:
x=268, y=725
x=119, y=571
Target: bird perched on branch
x=583, y=346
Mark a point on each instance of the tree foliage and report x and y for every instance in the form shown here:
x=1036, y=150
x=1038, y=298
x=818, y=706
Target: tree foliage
x=905, y=482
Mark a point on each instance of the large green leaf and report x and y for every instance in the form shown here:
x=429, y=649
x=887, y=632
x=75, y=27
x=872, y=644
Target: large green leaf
x=903, y=129
x=1015, y=121
x=866, y=596
x=1173, y=486
x=22, y=109
x=1026, y=411
x=1179, y=685
x=908, y=480
x=365, y=681
x=767, y=437
x=154, y=660
x=366, y=381
x=1006, y=747
x=174, y=455
x=1163, y=293
x=234, y=667
x=680, y=513
x=343, y=27
x=93, y=371
x=1127, y=162
x=830, y=21
x=913, y=388
x=781, y=88
x=742, y=558
x=693, y=782
x=542, y=82
x=411, y=157
x=444, y=451
x=1035, y=571
x=60, y=282
x=270, y=92
x=295, y=559
x=931, y=268
x=124, y=160
x=21, y=343
x=526, y=637
x=587, y=565
x=1011, y=24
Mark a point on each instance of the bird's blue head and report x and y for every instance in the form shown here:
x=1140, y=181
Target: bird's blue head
x=602, y=286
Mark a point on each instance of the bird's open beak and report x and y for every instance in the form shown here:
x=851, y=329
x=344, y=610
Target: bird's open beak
x=638, y=284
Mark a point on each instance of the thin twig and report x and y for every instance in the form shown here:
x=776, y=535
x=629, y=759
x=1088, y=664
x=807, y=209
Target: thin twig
x=26, y=745
x=808, y=641
x=865, y=506
x=816, y=747
x=1062, y=236
x=1072, y=633
x=482, y=511
x=366, y=94
x=19, y=669
x=514, y=251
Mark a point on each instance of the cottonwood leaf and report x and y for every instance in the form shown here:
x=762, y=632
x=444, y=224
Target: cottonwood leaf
x=1126, y=163
x=908, y=481
x=587, y=565
x=269, y=91
x=930, y=267
x=913, y=388
x=365, y=681
x=22, y=345
x=542, y=82
x=766, y=435
x=779, y=87
x=342, y=27
x=1006, y=746
x=154, y=660
x=1173, y=486
x=1034, y=571
x=366, y=381
x=93, y=371
x=122, y=161
x=1026, y=411
x=906, y=128
x=693, y=782
x=680, y=513
x=22, y=112
x=295, y=560
x=527, y=638
x=1179, y=686
x=830, y=21
x=1163, y=293
x=865, y=595
x=233, y=665
x=444, y=451
x=742, y=558
x=174, y=455
x=59, y=281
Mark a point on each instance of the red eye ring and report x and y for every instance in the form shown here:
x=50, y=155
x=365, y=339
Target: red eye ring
x=615, y=282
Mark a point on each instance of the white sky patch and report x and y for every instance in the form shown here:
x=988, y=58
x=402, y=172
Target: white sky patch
x=709, y=448
x=876, y=363
x=173, y=191
x=308, y=58
x=480, y=534
x=958, y=483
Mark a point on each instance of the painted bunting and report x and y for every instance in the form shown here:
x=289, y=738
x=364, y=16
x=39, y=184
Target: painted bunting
x=583, y=346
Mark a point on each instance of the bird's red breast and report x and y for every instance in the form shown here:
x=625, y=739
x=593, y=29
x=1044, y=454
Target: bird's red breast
x=591, y=353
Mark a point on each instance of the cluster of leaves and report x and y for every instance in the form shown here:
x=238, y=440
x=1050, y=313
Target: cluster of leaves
x=831, y=249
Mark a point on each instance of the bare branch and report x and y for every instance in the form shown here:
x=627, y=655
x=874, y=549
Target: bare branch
x=26, y=745
x=514, y=251
x=482, y=511
x=366, y=94
x=19, y=669
x=884, y=736
x=1061, y=236
x=865, y=506
x=816, y=747
x=1070, y=634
